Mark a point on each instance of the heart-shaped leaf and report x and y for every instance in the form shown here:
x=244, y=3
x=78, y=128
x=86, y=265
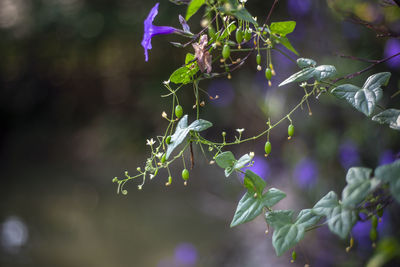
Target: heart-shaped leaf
x=389, y=116
x=364, y=99
x=282, y=28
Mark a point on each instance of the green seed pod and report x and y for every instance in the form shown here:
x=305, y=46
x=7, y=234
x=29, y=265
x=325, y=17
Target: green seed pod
x=226, y=51
x=267, y=147
x=258, y=59
x=373, y=234
x=185, y=174
x=294, y=255
x=290, y=130
x=374, y=222
x=268, y=74
x=168, y=140
x=163, y=158
x=247, y=35
x=239, y=36
x=178, y=111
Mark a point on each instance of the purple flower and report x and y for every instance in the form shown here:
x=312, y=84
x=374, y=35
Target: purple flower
x=151, y=30
x=392, y=47
x=299, y=7
x=186, y=254
x=306, y=173
x=348, y=154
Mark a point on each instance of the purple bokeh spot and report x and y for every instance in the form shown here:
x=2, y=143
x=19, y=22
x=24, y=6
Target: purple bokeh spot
x=305, y=173
x=186, y=254
x=392, y=47
x=224, y=91
x=348, y=154
x=260, y=167
x=299, y=7
x=386, y=157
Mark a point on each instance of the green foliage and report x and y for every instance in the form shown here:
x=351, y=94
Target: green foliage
x=364, y=99
x=233, y=8
x=282, y=28
x=389, y=116
x=285, y=42
x=340, y=218
x=286, y=232
x=182, y=130
x=185, y=74
x=227, y=161
x=319, y=73
x=193, y=7
x=390, y=173
x=305, y=63
x=359, y=185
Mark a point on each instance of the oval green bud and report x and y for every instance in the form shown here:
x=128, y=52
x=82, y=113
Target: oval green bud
x=185, y=174
x=268, y=74
x=247, y=34
x=379, y=210
x=373, y=234
x=226, y=51
x=267, y=147
x=258, y=59
x=178, y=111
x=168, y=140
x=374, y=222
x=163, y=158
x=239, y=36
x=290, y=130
x=294, y=255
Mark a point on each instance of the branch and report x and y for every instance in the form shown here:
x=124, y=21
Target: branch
x=269, y=15
x=352, y=75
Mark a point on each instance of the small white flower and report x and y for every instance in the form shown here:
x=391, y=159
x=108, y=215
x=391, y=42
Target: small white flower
x=166, y=82
x=151, y=176
x=240, y=131
x=243, y=1
x=255, y=18
x=150, y=142
x=303, y=84
x=251, y=154
x=159, y=155
x=164, y=114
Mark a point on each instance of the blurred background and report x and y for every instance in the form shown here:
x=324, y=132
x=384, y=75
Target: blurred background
x=78, y=101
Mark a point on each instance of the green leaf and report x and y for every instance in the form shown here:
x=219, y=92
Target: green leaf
x=363, y=99
x=286, y=43
x=182, y=130
x=193, y=7
x=319, y=73
x=359, y=185
x=340, y=219
x=231, y=27
x=305, y=63
x=254, y=183
x=283, y=28
x=389, y=116
x=390, y=173
x=249, y=207
x=185, y=74
x=238, y=11
x=272, y=196
x=287, y=233
x=279, y=218
x=225, y=159
x=307, y=218
x=240, y=163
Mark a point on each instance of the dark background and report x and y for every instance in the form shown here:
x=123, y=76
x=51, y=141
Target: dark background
x=78, y=101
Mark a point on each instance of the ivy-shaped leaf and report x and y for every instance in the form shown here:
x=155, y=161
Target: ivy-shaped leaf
x=319, y=73
x=254, y=183
x=364, y=99
x=185, y=74
x=305, y=63
x=286, y=43
x=182, y=130
x=390, y=173
x=287, y=233
x=282, y=28
x=251, y=205
x=193, y=7
x=340, y=219
x=359, y=185
x=227, y=161
x=389, y=116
